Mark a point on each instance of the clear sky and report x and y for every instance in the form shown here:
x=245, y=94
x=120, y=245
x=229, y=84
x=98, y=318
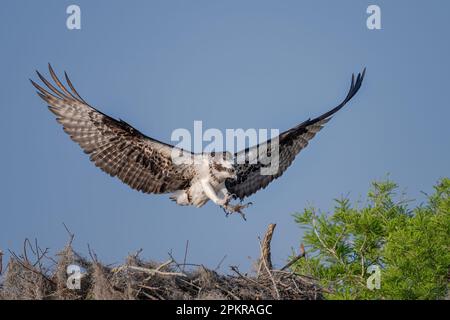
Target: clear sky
x=160, y=65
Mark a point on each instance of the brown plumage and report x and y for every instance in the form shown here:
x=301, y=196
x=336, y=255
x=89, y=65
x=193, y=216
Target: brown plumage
x=114, y=146
x=290, y=143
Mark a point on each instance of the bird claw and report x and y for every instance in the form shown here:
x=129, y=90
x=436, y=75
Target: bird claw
x=229, y=209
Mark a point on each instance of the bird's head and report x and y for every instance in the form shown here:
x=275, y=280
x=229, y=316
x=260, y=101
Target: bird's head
x=222, y=165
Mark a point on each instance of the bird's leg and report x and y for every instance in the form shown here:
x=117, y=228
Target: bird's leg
x=212, y=195
x=229, y=209
x=224, y=200
x=224, y=194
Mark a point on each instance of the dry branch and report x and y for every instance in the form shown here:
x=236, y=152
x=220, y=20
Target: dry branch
x=1, y=262
x=265, y=260
x=301, y=255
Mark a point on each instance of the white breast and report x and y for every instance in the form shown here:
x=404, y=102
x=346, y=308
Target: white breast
x=195, y=195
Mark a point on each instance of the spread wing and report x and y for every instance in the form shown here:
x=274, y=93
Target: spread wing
x=290, y=143
x=114, y=146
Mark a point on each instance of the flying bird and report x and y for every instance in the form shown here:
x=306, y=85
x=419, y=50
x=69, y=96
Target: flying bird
x=149, y=165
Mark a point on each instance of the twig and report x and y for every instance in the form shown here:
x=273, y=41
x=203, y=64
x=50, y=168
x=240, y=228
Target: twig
x=185, y=254
x=149, y=296
x=1, y=262
x=180, y=265
x=28, y=266
x=190, y=283
x=155, y=271
x=235, y=297
x=174, y=261
x=39, y=255
x=236, y=270
x=137, y=253
x=301, y=255
x=25, y=250
x=148, y=287
x=165, y=264
x=330, y=250
x=71, y=235
x=296, y=285
x=220, y=263
x=92, y=254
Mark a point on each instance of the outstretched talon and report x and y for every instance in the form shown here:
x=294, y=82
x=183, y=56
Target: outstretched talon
x=229, y=209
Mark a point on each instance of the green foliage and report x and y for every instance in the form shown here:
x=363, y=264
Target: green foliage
x=411, y=247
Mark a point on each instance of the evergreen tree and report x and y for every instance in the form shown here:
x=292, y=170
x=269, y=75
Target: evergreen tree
x=411, y=247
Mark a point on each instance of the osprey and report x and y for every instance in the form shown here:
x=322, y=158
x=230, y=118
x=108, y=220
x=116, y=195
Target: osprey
x=148, y=165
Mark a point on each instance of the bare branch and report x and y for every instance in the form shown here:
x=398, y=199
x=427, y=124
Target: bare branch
x=156, y=271
x=1, y=262
x=71, y=235
x=220, y=262
x=301, y=255
x=185, y=253
x=265, y=257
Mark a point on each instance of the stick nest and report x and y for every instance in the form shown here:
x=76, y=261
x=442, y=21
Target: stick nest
x=44, y=277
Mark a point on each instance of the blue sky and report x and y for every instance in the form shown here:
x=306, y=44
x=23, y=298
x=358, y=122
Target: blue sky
x=160, y=65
